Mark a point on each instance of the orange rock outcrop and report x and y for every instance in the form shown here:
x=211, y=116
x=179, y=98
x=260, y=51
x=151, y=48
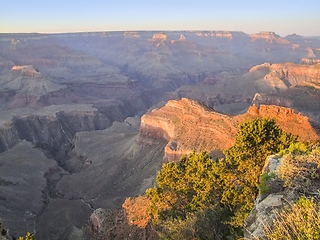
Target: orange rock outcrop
x=287, y=119
x=188, y=125
x=159, y=36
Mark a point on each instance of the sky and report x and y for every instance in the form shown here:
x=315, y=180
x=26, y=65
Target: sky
x=54, y=16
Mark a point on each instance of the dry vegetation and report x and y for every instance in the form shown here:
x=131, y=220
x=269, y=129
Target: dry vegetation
x=296, y=221
x=301, y=220
x=300, y=169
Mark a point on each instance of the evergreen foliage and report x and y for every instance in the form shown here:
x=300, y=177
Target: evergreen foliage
x=240, y=171
x=227, y=187
x=187, y=186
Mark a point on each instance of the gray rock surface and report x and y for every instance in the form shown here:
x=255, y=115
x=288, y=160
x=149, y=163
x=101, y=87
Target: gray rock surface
x=112, y=165
x=23, y=187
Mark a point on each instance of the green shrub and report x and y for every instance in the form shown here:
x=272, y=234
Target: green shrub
x=263, y=182
x=184, y=187
x=295, y=148
x=299, y=169
x=203, y=224
x=256, y=140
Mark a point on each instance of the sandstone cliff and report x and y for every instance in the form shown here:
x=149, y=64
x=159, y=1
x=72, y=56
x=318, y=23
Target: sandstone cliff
x=290, y=85
x=187, y=125
x=287, y=119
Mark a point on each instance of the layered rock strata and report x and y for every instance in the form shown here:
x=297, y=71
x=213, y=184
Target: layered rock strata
x=50, y=128
x=27, y=80
x=188, y=126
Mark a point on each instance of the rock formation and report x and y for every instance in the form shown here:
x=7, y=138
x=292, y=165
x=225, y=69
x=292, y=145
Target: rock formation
x=39, y=126
x=309, y=61
x=261, y=67
x=115, y=224
x=94, y=79
x=159, y=37
x=269, y=37
x=220, y=34
x=294, y=74
x=188, y=126
x=26, y=80
x=182, y=38
x=287, y=119
x=289, y=178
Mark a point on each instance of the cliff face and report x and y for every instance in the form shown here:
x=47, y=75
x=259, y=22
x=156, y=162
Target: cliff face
x=269, y=37
x=39, y=126
x=290, y=85
x=287, y=119
x=187, y=125
x=159, y=36
x=26, y=80
x=294, y=73
x=280, y=77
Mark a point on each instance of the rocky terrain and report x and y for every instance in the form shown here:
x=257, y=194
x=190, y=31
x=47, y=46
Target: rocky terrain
x=188, y=125
x=290, y=178
x=65, y=100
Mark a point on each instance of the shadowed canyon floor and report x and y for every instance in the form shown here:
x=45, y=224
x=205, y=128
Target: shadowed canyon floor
x=70, y=95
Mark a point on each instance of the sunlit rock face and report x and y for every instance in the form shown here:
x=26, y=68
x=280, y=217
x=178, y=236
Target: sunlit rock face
x=187, y=126
x=287, y=119
x=159, y=36
x=54, y=85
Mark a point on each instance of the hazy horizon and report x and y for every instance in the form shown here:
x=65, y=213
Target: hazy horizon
x=282, y=17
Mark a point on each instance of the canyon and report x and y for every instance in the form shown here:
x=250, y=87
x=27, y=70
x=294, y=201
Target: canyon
x=87, y=119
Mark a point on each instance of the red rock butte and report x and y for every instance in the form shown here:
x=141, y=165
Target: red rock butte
x=159, y=36
x=269, y=37
x=187, y=125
